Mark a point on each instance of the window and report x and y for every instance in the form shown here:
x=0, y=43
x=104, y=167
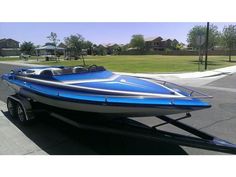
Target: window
x=155, y=43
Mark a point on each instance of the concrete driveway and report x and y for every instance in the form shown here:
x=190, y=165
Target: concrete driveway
x=50, y=136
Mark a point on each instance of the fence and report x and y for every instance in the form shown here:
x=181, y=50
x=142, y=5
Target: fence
x=176, y=52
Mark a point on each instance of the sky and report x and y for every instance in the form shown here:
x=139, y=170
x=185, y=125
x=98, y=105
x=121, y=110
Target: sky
x=99, y=32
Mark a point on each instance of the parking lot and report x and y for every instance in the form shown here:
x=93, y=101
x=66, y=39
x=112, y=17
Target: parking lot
x=50, y=136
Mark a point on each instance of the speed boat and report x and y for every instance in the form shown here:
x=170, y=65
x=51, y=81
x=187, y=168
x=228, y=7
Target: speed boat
x=97, y=90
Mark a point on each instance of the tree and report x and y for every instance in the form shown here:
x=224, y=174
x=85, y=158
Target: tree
x=125, y=47
x=27, y=48
x=75, y=44
x=94, y=49
x=229, y=38
x=88, y=46
x=174, y=44
x=116, y=49
x=101, y=50
x=53, y=38
x=198, y=30
x=137, y=41
x=180, y=46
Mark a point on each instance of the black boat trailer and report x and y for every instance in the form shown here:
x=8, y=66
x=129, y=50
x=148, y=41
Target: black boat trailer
x=22, y=108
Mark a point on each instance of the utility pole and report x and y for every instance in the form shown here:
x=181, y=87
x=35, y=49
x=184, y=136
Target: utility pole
x=206, y=50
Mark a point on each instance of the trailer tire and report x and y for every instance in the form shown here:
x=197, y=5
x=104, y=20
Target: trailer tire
x=12, y=107
x=21, y=115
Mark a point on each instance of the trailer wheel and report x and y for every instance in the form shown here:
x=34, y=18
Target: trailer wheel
x=12, y=109
x=21, y=114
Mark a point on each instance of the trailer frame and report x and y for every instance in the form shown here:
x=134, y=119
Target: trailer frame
x=132, y=128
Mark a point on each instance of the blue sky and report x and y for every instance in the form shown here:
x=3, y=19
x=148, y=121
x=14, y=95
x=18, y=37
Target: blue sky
x=98, y=32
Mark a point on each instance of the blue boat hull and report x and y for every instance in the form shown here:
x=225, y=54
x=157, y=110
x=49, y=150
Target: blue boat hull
x=104, y=92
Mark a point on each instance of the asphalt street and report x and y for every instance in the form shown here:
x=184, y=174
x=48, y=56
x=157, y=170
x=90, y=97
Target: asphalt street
x=47, y=135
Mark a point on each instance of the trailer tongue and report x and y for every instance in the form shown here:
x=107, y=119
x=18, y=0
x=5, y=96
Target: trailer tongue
x=132, y=128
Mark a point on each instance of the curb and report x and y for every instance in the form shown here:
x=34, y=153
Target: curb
x=190, y=75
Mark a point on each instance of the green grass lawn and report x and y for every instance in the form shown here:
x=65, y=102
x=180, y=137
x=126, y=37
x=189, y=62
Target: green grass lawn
x=18, y=58
x=148, y=63
x=9, y=58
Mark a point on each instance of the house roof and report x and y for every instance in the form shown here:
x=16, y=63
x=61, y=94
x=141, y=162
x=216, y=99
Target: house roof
x=110, y=44
x=50, y=47
x=155, y=37
x=151, y=38
x=9, y=39
x=165, y=39
x=62, y=45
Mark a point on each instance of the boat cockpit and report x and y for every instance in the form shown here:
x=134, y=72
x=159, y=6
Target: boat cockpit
x=57, y=71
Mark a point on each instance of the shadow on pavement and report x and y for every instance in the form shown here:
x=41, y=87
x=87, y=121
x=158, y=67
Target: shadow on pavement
x=58, y=138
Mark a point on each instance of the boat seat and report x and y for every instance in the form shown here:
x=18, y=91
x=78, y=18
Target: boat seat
x=51, y=72
x=79, y=69
x=95, y=68
x=67, y=71
x=101, y=68
x=46, y=73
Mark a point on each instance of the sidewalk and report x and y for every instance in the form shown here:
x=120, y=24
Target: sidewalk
x=20, y=63
x=190, y=78
x=13, y=140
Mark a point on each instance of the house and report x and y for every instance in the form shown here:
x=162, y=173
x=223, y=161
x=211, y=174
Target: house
x=153, y=43
x=66, y=51
x=166, y=43
x=159, y=43
x=9, y=43
x=111, y=48
x=9, y=47
x=62, y=45
x=49, y=50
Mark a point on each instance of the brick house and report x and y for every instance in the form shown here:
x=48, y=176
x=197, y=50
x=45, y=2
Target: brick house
x=9, y=47
x=153, y=43
x=158, y=43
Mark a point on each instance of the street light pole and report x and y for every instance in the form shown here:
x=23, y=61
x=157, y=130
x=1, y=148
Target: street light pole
x=206, y=50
